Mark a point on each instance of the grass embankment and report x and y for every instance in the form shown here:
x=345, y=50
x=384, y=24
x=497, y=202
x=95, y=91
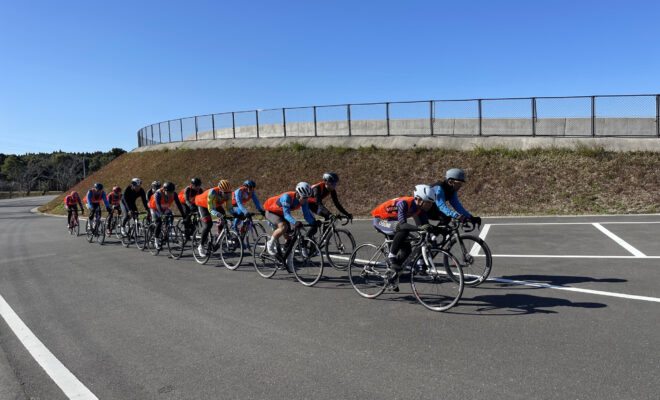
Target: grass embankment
x=500, y=181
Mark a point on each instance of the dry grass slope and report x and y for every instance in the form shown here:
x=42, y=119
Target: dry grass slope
x=500, y=181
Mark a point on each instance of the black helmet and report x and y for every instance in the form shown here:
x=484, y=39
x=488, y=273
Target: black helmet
x=98, y=186
x=331, y=177
x=249, y=183
x=168, y=187
x=155, y=184
x=196, y=181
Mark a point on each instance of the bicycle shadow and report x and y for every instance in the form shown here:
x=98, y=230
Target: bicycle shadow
x=556, y=280
x=517, y=304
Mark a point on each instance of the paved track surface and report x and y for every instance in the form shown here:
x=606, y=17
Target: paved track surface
x=130, y=325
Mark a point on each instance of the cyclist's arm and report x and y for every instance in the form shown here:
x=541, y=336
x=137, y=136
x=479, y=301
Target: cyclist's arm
x=441, y=202
x=257, y=204
x=105, y=199
x=307, y=214
x=89, y=199
x=179, y=206
x=318, y=198
x=402, y=211
x=285, y=201
x=143, y=196
x=210, y=204
x=186, y=195
x=458, y=206
x=239, y=201
x=335, y=200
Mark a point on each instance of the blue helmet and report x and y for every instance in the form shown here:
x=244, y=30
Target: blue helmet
x=249, y=183
x=331, y=178
x=98, y=186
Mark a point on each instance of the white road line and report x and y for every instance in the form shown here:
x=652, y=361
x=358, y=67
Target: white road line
x=571, y=256
x=70, y=385
x=474, y=252
x=571, y=223
x=572, y=289
x=620, y=241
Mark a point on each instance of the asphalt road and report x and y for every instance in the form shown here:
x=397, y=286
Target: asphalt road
x=129, y=325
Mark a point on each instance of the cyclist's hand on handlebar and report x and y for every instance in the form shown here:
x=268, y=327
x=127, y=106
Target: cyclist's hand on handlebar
x=298, y=224
x=476, y=220
x=462, y=219
x=349, y=216
x=263, y=213
x=426, y=227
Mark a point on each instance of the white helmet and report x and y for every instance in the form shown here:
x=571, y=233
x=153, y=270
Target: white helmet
x=304, y=190
x=425, y=192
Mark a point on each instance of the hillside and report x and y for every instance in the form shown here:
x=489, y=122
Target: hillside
x=500, y=181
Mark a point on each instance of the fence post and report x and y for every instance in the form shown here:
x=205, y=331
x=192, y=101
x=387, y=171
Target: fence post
x=233, y=125
x=169, y=131
x=533, y=116
x=213, y=124
x=284, y=120
x=196, y=138
x=160, y=137
x=348, y=114
x=256, y=114
x=152, y=133
x=315, y=131
x=593, y=116
x=181, y=128
x=387, y=115
x=657, y=115
x=431, y=115
x=480, y=131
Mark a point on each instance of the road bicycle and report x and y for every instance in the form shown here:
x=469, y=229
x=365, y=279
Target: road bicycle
x=436, y=284
x=471, y=251
x=338, y=244
x=95, y=227
x=225, y=244
x=134, y=232
x=304, y=253
x=111, y=222
x=170, y=236
x=249, y=230
x=74, y=223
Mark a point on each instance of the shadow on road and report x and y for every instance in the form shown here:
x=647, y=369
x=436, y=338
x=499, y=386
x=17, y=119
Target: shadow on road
x=556, y=280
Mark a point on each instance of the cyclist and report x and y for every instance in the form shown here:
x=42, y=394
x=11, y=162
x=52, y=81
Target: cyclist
x=160, y=204
x=241, y=196
x=114, y=198
x=447, y=191
x=278, y=212
x=71, y=203
x=128, y=200
x=391, y=218
x=155, y=185
x=210, y=203
x=321, y=191
x=93, y=200
x=187, y=199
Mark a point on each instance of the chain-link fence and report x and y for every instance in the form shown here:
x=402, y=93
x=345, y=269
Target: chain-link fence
x=576, y=116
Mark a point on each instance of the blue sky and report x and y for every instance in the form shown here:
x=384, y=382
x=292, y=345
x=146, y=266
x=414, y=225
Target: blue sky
x=86, y=75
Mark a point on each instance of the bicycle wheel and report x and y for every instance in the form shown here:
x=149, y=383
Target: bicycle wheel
x=76, y=228
x=231, y=249
x=128, y=237
x=100, y=230
x=150, y=243
x=338, y=249
x=264, y=263
x=89, y=232
x=252, y=234
x=433, y=287
x=196, y=242
x=175, y=242
x=367, y=269
x=138, y=235
x=476, y=261
x=307, y=262
x=116, y=228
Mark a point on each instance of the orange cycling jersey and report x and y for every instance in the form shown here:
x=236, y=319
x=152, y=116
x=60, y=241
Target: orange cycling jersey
x=72, y=201
x=272, y=205
x=114, y=199
x=325, y=192
x=97, y=196
x=388, y=209
x=193, y=193
x=165, y=201
x=202, y=200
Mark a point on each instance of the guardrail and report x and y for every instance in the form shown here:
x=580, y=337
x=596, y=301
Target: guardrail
x=575, y=116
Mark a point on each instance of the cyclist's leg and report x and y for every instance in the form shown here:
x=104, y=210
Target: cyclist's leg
x=127, y=214
x=207, y=223
x=69, y=211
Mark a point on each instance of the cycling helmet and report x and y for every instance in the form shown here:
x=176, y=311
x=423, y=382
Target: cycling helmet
x=331, y=178
x=98, y=186
x=168, y=187
x=304, y=190
x=116, y=189
x=424, y=192
x=155, y=184
x=196, y=181
x=136, y=182
x=456, y=174
x=249, y=184
x=224, y=186
x=74, y=194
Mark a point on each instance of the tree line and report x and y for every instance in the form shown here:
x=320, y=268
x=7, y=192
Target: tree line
x=55, y=171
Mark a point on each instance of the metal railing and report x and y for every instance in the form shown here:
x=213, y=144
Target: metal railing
x=574, y=116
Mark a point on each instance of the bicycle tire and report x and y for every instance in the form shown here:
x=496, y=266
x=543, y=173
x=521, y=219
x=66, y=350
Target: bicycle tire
x=175, y=242
x=264, y=263
x=89, y=232
x=100, y=231
x=196, y=241
x=138, y=235
x=307, y=262
x=476, y=269
x=432, y=285
x=338, y=249
x=77, y=227
x=128, y=237
x=253, y=234
x=231, y=249
x=367, y=269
